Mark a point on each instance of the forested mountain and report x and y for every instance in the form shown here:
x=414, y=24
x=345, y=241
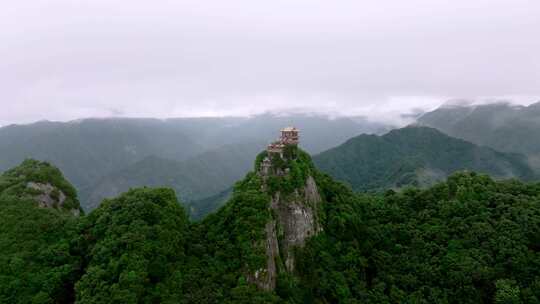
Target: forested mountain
x=133, y=248
x=194, y=179
x=502, y=126
x=467, y=240
x=417, y=156
x=38, y=218
x=91, y=150
x=289, y=234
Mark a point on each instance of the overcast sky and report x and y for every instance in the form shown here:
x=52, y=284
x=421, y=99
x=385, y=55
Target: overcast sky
x=68, y=59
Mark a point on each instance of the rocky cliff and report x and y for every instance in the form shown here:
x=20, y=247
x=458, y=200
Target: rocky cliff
x=49, y=196
x=41, y=183
x=295, y=204
x=296, y=219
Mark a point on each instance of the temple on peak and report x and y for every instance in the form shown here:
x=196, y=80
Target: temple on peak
x=289, y=136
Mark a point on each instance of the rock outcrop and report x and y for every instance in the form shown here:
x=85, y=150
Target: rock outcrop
x=48, y=196
x=295, y=217
x=42, y=183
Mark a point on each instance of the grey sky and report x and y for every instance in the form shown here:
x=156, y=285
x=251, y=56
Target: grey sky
x=67, y=59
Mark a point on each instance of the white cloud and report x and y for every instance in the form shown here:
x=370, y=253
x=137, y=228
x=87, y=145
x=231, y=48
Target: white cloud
x=65, y=59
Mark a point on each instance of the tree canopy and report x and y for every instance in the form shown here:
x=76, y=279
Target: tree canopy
x=468, y=239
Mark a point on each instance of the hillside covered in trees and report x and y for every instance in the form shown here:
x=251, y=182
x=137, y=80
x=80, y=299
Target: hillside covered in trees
x=194, y=179
x=37, y=261
x=468, y=239
x=502, y=126
x=415, y=156
x=89, y=151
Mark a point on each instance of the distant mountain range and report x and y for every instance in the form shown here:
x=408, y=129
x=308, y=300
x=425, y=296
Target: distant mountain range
x=103, y=157
x=416, y=156
x=411, y=156
x=201, y=158
x=199, y=177
x=501, y=126
x=90, y=149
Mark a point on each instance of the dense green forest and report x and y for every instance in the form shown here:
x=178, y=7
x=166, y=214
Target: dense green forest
x=414, y=156
x=37, y=263
x=131, y=246
x=502, y=126
x=468, y=239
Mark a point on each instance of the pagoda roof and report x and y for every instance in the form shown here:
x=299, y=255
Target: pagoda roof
x=289, y=129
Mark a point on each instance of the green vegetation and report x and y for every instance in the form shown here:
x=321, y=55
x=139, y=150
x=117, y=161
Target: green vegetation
x=417, y=156
x=291, y=171
x=501, y=126
x=227, y=245
x=105, y=157
x=131, y=246
x=207, y=174
x=37, y=262
x=14, y=182
x=469, y=239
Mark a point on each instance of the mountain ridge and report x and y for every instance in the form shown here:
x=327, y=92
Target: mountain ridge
x=206, y=174
x=503, y=126
x=90, y=150
x=370, y=162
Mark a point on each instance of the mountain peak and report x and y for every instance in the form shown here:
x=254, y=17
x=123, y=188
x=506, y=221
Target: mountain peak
x=284, y=190
x=279, y=152
x=42, y=183
x=502, y=126
x=414, y=156
x=414, y=128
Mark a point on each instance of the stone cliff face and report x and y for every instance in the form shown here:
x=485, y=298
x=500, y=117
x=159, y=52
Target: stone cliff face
x=295, y=219
x=48, y=196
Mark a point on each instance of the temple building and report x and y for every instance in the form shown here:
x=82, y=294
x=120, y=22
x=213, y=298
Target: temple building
x=289, y=136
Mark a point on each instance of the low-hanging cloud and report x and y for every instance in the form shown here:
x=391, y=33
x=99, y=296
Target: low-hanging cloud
x=64, y=59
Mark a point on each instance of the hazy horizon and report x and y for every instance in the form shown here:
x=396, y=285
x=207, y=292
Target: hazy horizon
x=395, y=118
x=63, y=60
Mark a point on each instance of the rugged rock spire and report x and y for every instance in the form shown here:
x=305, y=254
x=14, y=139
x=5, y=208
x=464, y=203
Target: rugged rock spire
x=287, y=177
